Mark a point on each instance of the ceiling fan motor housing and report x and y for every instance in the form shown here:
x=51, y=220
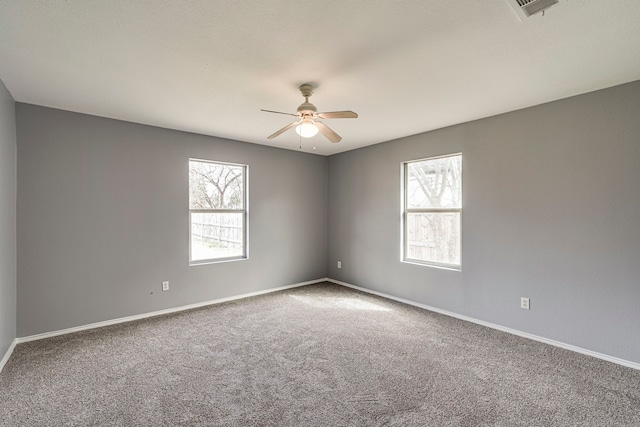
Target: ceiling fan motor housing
x=307, y=107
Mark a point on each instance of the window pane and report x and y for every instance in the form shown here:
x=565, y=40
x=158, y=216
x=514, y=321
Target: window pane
x=434, y=237
x=215, y=186
x=216, y=235
x=435, y=183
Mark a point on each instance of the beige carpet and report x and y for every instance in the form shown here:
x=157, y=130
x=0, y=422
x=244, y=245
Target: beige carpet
x=321, y=355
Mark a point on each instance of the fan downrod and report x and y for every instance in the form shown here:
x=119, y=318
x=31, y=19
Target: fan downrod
x=307, y=108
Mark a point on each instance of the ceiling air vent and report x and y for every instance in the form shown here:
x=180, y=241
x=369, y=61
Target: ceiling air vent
x=527, y=8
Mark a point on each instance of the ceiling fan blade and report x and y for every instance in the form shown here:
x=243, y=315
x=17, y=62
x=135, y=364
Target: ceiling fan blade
x=338, y=115
x=279, y=112
x=327, y=132
x=283, y=130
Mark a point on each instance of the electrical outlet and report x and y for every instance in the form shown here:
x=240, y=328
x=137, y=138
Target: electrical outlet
x=165, y=286
x=524, y=303
x=339, y=264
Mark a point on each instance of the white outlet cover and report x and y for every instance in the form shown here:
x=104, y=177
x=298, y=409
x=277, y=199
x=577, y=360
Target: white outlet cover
x=524, y=303
x=165, y=286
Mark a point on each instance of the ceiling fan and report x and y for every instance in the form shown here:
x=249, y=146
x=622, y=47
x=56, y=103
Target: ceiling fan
x=309, y=121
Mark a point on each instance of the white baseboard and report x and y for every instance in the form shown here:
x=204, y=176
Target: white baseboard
x=7, y=355
x=156, y=313
x=554, y=343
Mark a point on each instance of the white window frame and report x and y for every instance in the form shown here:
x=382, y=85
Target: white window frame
x=244, y=212
x=406, y=211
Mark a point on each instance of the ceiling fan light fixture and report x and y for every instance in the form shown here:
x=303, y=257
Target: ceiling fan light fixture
x=307, y=129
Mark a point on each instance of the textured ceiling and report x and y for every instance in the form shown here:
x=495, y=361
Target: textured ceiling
x=405, y=66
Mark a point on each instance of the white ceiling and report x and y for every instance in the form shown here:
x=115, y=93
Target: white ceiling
x=405, y=66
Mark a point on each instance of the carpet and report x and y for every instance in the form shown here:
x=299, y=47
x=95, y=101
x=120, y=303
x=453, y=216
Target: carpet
x=318, y=355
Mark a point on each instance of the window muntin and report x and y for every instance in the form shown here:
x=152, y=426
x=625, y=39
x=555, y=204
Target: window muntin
x=217, y=211
x=432, y=220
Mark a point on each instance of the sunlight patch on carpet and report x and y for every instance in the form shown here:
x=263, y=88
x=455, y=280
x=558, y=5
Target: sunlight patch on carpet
x=339, y=302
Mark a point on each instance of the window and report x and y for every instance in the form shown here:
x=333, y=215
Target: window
x=433, y=211
x=217, y=211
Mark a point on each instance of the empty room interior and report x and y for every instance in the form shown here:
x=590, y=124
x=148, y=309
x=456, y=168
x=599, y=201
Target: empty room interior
x=320, y=213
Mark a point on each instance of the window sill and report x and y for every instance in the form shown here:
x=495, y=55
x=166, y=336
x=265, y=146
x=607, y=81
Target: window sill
x=438, y=266
x=216, y=261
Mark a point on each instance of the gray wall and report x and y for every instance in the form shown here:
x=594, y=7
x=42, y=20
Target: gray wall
x=7, y=220
x=551, y=205
x=551, y=211
x=103, y=219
